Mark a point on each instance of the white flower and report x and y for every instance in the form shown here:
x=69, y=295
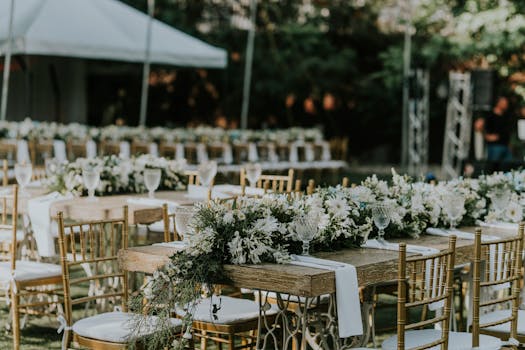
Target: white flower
x=514, y=212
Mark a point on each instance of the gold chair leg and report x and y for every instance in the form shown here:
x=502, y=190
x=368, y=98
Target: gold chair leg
x=15, y=301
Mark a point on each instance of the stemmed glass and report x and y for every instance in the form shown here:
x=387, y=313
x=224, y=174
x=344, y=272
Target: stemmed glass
x=52, y=165
x=91, y=179
x=500, y=197
x=23, y=174
x=253, y=173
x=207, y=172
x=306, y=229
x=152, y=180
x=453, y=204
x=183, y=215
x=381, y=213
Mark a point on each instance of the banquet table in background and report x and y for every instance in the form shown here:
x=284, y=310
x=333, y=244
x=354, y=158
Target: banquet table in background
x=373, y=266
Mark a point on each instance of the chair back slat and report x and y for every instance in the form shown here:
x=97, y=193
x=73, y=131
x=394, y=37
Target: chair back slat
x=9, y=220
x=193, y=177
x=94, y=244
x=277, y=183
x=501, y=261
x=425, y=281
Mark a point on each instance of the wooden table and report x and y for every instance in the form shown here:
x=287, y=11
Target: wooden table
x=373, y=265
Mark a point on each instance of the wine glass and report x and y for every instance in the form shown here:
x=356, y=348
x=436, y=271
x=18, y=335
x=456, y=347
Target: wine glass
x=207, y=172
x=152, y=180
x=381, y=216
x=253, y=173
x=183, y=215
x=52, y=165
x=500, y=197
x=23, y=172
x=306, y=229
x=91, y=178
x=454, y=204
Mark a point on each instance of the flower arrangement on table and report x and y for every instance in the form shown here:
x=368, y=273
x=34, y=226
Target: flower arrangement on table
x=263, y=230
x=117, y=175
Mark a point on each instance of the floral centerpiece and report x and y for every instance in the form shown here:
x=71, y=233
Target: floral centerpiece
x=117, y=175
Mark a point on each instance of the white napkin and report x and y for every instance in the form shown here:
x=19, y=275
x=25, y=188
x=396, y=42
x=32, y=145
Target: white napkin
x=59, y=150
x=174, y=244
x=253, y=156
x=459, y=234
x=227, y=153
x=500, y=224
x=91, y=149
x=44, y=229
x=153, y=202
x=347, y=293
x=326, y=155
x=416, y=249
x=237, y=190
x=125, y=149
x=309, y=152
x=153, y=149
x=22, y=152
x=179, y=151
x=272, y=155
x=202, y=154
x=479, y=143
x=201, y=192
x=294, y=156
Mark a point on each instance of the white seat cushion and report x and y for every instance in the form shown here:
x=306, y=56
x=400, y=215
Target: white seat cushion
x=232, y=310
x=7, y=235
x=116, y=327
x=159, y=226
x=456, y=340
x=500, y=315
x=28, y=270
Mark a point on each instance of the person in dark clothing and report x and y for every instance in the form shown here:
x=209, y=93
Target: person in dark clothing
x=497, y=132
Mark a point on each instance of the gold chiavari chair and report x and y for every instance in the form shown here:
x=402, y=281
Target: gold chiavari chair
x=96, y=244
x=168, y=149
x=24, y=279
x=5, y=172
x=496, y=285
x=311, y=187
x=158, y=220
x=139, y=147
x=8, y=150
x=345, y=182
x=423, y=281
x=193, y=177
x=39, y=150
x=76, y=149
x=276, y=183
x=38, y=173
x=109, y=148
x=215, y=152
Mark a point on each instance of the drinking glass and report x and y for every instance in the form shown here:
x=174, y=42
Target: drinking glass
x=23, y=174
x=500, y=197
x=306, y=229
x=52, y=165
x=253, y=173
x=453, y=206
x=152, y=180
x=183, y=215
x=381, y=213
x=207, y=172
x=91, y=178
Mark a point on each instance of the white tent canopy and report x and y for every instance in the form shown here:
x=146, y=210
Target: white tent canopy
x=100, y=29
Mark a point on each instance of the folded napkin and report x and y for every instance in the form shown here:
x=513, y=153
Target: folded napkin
x=459, y=234
x=272, y=155
x=201, y=192
x=347, y=293
x=179, y=151
x=174, y=244
x=411, y=248
x=326, y=155
x=202, y=153
x=59, y=150
x=22, y=152
x=91, y=149
x=309, y=155
x=43, y=229
x=294, y=154
x=153, y=149
x=237, y=190
x=153, y=202
x=253, y=156
x=125, y=149
x=500, y=224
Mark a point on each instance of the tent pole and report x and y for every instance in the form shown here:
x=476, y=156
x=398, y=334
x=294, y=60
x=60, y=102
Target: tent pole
x=146, y=67
x=7, y=63
x=248, y=66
